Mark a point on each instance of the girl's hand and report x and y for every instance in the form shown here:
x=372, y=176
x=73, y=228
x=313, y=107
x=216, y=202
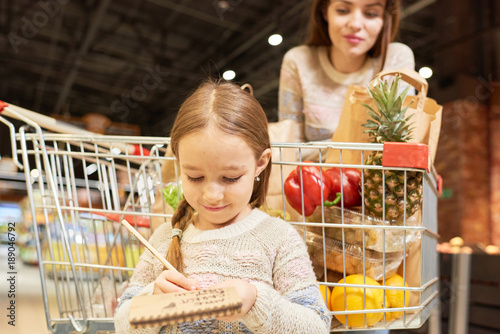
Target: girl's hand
x=247, y=292
x=171, y=281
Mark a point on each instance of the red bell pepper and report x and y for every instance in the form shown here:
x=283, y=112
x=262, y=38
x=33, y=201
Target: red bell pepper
x=351, y=185
x=313, y=188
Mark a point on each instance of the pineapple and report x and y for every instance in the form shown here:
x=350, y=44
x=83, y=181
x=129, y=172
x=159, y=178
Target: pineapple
x=389, y=124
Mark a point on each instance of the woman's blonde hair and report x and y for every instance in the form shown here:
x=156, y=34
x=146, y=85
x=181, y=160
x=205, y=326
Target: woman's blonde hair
x=234, y=111
x=318, y=28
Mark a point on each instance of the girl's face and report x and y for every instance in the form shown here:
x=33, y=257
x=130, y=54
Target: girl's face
x=354, y=25
x=218, y=172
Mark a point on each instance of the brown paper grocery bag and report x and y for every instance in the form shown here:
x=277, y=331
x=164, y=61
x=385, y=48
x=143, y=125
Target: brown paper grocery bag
x=426, y=123
x=413, y=272
x=426, y=120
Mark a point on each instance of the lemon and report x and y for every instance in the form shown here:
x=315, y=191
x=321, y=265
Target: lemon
x=354, y=299
x=395, y=298
x=327, y=295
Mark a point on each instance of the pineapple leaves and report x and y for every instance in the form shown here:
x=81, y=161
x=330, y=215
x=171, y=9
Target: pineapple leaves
x=367, y=106
x=368, y=125
x=396, y=107
x=374, y=115
x=403, y=94
x=391, y=96
x=389, y=122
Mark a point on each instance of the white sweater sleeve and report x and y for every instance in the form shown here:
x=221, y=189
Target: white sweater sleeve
x=122, y=324
x=290, y=96
x=294, y=305
x=399, y=56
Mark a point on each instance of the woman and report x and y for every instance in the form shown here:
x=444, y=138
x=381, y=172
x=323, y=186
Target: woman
x=349, y=42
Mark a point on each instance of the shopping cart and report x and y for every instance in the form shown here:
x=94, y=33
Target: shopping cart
x=81, y=185
x=358, y=252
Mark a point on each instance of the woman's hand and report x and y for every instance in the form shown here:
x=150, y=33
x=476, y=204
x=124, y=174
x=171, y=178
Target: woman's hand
x=171, y=281
x=247, y=292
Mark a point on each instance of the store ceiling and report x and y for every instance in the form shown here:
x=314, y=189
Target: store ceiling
x=136, y=60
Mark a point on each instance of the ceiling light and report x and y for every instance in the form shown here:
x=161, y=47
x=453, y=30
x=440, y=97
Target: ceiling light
x=425, y=72
x=223, y=4
x=229, y=75
x=275, y=39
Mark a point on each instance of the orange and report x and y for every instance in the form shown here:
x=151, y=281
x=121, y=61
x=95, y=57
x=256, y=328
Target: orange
x=354, y=299
x=327, y=295
x=395, y=298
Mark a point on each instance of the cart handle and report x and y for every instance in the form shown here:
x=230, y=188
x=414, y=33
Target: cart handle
x=55, y=125
x=3, y=105
x=139, y=221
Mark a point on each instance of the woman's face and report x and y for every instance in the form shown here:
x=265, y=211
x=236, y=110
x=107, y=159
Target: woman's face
x=354, y=25
x=218, y=172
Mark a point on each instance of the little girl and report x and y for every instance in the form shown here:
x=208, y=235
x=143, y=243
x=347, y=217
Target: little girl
x=218, y=237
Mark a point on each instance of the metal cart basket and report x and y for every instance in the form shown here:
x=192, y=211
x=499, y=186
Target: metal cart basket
x=81, y=185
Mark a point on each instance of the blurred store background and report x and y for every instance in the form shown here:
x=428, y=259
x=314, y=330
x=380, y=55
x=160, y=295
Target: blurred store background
x=124, y=67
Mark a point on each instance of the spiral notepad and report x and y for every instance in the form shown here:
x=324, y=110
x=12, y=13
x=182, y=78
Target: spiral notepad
x=173, y=308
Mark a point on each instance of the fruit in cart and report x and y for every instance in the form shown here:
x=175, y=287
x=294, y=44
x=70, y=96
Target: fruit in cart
x=389, y=124
x=395, y=298
x=327, y=295
x=353, y=298
x=316, y=187
x=346, y=182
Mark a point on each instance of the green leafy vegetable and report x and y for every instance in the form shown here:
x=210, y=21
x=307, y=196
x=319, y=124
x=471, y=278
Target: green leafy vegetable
x=172, y=195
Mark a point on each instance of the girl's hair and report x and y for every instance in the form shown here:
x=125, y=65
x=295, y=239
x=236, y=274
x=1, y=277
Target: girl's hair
x=318, y=28
x=230, y=109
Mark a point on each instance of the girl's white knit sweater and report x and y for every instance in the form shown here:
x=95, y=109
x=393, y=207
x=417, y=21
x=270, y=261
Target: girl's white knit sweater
x=267, y=252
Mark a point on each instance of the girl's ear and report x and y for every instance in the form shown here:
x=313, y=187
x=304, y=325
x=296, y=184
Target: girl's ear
x=263, y=161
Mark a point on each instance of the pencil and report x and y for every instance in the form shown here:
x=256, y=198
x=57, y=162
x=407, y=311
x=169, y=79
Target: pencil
x=148, y=246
